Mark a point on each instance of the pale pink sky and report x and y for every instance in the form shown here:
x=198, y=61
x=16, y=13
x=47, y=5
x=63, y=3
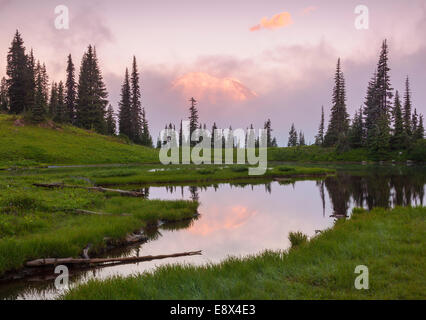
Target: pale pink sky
x=282, y=69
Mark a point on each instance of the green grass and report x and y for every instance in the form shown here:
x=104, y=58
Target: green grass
x=31, y=145
x=40, y=223
x=389, y=242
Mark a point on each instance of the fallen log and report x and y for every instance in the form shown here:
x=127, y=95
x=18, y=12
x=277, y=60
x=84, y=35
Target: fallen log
x=100, y=261
x=59, y=185
x=81, y=211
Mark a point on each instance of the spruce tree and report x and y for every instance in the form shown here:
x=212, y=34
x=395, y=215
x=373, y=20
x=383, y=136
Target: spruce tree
x=110, y=121
x=135, y=105
x=301, y=139
x=53, y=103
x=146, y=139
x=124, y=113
x=407, y=108
x=399, y=136
x=268, y=128
x=339, y=122
x=70, y=99
x=420, y=131
x=414, y=123
x=17, y=72
x=30, y=82
x=319, y=138
x=40, y=104
x=61, y=112
x=292, y=137
x=92, y=95
x=356, y=131
x=193, y=120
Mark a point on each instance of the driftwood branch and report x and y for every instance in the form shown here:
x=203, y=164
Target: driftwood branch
x=81, y=211
x=100, y=261
x=122, y=192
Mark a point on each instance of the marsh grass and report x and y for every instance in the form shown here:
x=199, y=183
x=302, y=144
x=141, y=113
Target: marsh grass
x=389, y=242
x=297, y=238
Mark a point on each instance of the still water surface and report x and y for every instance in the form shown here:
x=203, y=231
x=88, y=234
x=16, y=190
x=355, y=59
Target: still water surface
x=240, y=220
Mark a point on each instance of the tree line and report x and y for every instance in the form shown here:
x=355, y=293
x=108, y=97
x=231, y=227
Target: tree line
x=226, y=138
x=83, y=102
x=382, y=124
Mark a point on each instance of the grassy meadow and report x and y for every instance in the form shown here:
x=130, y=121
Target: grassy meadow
x=389, y=242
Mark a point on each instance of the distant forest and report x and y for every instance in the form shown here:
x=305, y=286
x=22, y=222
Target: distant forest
x=384, y=123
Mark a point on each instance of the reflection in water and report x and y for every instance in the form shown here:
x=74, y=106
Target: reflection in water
x=239, y=219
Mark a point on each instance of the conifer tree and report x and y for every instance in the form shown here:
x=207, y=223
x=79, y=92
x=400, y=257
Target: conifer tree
x=356, y=131
x=407, y=108
x=420, y=132
x=399, y=137
x=92, y=95
x=53, y=103
x=193, y=120
x=124, y=113
x=414, y=123
x=146, y=139
x=251, y=137
x=110, y=121
x=215, y=136
x=292, y=137
x=40, y=104
x=319, y=138
x=301, y=139
x=17, y=72
x=30, y=82
x=339, y=123
x=61, y=112
x=180, y=135
x=135, y=105
x=70, y=99
x=268, y=128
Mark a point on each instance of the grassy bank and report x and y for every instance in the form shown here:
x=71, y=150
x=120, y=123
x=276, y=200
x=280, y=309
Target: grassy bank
x=37, y=222
x=389, y=242
x=23, y=144
x=41, y=223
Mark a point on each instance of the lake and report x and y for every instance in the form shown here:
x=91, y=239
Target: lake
x=245, y=219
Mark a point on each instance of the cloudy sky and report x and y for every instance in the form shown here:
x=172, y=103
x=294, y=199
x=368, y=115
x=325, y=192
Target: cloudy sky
x=243, y=60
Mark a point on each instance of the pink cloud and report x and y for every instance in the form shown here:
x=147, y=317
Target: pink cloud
x=279, y=20
x=204, y=86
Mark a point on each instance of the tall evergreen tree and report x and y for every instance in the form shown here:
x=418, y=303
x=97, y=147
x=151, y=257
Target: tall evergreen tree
x=292, y=137
x=407, y=108
x=193, y=119
x=53, y=103
x=319, y=138
x=420, y=131
x=268, y=128
x=146, y=139
x=110, y=121
x=17, y=72
x=124, y=113
x=399, y=136
x=61, y=112
x=356, y=131
x=301, y=139
x=40, y=105
x=414, y=122
x=135, y=105
x=92, y=95
x=339, y=119
x=70, y=85
x=30, y=82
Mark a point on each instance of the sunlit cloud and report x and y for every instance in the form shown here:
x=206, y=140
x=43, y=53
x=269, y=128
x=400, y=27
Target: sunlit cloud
x=279, y=20
x=212, y=89
x=308, y=10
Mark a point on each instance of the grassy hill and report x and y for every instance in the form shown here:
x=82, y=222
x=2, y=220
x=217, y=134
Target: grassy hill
x=23, y=144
